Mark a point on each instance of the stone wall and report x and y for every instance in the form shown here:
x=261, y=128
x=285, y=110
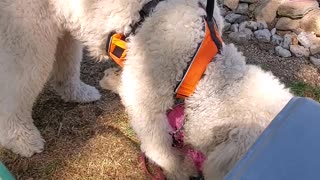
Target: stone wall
x=292, y=26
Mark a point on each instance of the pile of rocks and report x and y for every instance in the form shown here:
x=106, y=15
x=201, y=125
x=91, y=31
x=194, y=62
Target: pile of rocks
x=291, y=26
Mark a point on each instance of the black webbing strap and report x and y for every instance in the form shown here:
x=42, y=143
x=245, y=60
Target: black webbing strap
x=212, y=23
x=144, y=12
x=210, y=9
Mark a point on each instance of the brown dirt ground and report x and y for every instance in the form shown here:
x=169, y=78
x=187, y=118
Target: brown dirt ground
x=94, y=140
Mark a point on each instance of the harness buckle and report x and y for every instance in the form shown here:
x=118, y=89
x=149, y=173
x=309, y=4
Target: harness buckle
x=116, y=48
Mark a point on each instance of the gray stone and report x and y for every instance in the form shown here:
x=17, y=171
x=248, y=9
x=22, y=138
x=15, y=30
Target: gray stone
x=242, y=19
x=286, y=41
x=234, y=28
x=315, y=61
x=243, y=25
x=267, y=10
x=248, y=32
x=232, y=4
x=232, y=18
x=242, y=8
x=310, y=22
x=285, y=24
x=276, y=40
x=239, y=37
x=299, y=51
x=263, y=35
x=297, y=9
x=315, y=49
x=280, y=51
x=226, y=26
x=262, y=24
x=223, y=12
x=306, y=39
x=273, y=31
x=252, y=25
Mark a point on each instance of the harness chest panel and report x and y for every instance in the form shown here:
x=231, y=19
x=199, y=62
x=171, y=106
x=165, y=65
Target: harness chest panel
x=207, y=50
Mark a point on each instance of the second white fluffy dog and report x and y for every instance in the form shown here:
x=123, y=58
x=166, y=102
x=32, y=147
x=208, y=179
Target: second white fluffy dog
x=232, y=105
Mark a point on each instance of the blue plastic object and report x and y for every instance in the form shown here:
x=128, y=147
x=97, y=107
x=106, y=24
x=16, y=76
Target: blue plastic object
x=4, y=173
x=288, y=149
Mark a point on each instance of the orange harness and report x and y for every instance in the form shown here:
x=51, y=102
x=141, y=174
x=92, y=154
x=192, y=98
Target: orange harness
x=206, y=51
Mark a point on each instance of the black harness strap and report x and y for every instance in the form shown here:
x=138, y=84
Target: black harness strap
x=212, y=23
x=145, y=12
x=210, y=9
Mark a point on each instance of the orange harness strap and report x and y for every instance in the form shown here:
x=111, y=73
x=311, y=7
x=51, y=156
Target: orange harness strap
x=207, y=50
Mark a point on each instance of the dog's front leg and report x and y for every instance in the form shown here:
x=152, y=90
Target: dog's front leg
x=153, y=132
x=146, y=105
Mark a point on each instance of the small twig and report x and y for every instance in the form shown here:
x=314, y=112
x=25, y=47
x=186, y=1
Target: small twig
x=60, y=127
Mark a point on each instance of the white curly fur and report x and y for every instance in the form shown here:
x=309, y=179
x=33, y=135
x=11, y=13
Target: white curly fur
x=231, y=106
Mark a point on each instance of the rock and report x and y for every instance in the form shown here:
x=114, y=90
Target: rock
x=263, y=35
x=306, y=39
x=283, y=33
x=280, y=51
x=249, y=1
x=252, y=25
x=248, y=32
x=239, y=37
x=267, y=10
x=234, y=28
x=252, y=7
x=299, y=51
x=273, y=31
x=232, y=4
x=248, y=24
x=232, y=18
x=315, y=61
x=276, y=40
x=243, y=25
x=242, y=8
x=294, y=39
x=286, y=41
x=297, y=8
x=223, y=12
x=285, y=23
x=315, y=49
x=226, y=26
x=241, y=19
x=262, y=25
x=298, y=30
x=310, y=22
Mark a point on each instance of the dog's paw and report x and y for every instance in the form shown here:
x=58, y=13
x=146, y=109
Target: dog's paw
x=79, y=92
x=111, y=80
x=26, y=141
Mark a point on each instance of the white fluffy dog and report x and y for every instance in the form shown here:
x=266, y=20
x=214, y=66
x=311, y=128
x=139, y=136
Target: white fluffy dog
x=41, y=39
x=232, y=105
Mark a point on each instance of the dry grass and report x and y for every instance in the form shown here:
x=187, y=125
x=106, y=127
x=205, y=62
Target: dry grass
x=83, y=141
